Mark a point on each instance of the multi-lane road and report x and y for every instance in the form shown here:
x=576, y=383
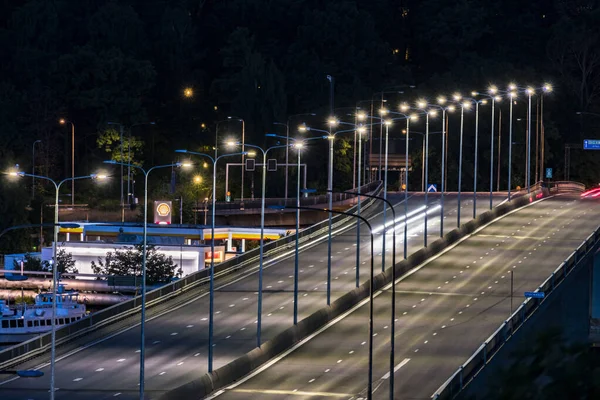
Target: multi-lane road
x=176, y=346
x=445, y=310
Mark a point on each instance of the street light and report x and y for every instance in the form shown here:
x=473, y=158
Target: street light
x=287, y=142
x=144, y=256
x=371, y=284
x=493, y=96
x=262, y=231
x=188, y=92
x=197, y=182
x=243, y=152
x=477, y=103
x=63, y=121
x=442, y=101
x=57, y=186
x=299, y=145
x=458, y=98
x=212, y=247
x=332, y=122
x=404, y=108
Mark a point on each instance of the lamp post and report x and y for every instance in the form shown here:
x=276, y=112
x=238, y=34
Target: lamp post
x=405, y=108
x=547, y=88
x=212, y=248
x=299, y=145
x=144, y=256
x=331, y=136
x=493, y=90
x=441, y=106
x=57, y=186
x=262, y=229
x=512, y=94
x=243, y=153
x=529, y=91
x=33, y=167
x=457, y=97
x=63, y=121
x=371, y=284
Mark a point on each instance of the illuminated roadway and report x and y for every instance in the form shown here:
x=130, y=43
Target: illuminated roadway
x=445, y=310
x=176, y=346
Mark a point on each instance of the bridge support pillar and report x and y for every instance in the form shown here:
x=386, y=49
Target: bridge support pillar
x=595, y=301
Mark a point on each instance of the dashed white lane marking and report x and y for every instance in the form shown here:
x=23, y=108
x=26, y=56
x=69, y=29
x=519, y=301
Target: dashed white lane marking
x=190, y=326
x=180, y=363
x=339, y=361
x=174, y=334
x=204, y=319
x=196, y=355
x=121, y=359
x=397, y=367
x=162, y=373
x=156, y=342
x=312, y=380
x=77, y=379
x=117, y=394
x=100, y=370
x=351, y=352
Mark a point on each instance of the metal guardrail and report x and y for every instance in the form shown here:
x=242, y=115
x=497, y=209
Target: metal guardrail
x=482, y=356
x=566, y=186
x=40, y=344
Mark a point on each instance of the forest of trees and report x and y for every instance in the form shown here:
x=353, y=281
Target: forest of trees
x=129, y=61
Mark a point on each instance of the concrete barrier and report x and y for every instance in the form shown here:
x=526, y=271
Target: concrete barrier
x=205, y=384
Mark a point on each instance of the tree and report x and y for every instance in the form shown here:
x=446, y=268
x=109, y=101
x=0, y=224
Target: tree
x=128, y=261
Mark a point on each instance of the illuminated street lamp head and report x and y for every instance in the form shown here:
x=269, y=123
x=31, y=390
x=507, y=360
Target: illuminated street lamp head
x=298, y=145
x=466, y=104
x=421, y=104
x=451, y=108
x=457, y=96
x=332, y=121
x=474, y=93
x=197, y=179
x=188, y=92
x=547, y=88
x=303, y=128
x=530, y=91
x=432, y=112
x=383, y=111
x=414, y=117
x=512, y=95
x=251, y=153
x=512, y=87
x=99, y=177
x=388, y=122
x=361, y=130
x=498, y=98
x=231, y=143
x=484, y=101
x=62, y=121
x=493, y=90
x=441, y=100
x=361, y=116
x=404, y=107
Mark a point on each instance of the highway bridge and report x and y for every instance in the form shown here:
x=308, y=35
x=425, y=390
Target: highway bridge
x=446, y=308
x=105, y=364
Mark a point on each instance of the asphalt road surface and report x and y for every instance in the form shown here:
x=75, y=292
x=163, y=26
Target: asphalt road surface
x=176, y=341
x=445, y=310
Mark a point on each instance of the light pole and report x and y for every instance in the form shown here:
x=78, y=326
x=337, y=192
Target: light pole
x=493, y=91
x=441, y=106
x=371, y=283
x=144, y=257
x=422, y=106
x=243, y=153
x=331, y=136
x=405, y=108
x=57, y=186
x=299, y=145
x=530, y=91
x=512, y=94
x=212, y=248
x=547, y=88
x=63, y=121
x=262, y=230
x=287, y=142
x=33, y=168
x=197, y=181
x=457, y=97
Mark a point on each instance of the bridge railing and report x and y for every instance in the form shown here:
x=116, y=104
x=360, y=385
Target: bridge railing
x=40, y=344
x=469, y=370
x=562, y=186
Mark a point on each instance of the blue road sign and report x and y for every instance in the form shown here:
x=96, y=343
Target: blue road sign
x=535, y=295
x=590, y=144
x=549, y=173
x=432, y=188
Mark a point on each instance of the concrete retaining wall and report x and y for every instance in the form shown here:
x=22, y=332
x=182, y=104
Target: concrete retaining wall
x=242, y=366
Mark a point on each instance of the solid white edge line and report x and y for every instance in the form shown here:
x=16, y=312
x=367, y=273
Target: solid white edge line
x=396, y=368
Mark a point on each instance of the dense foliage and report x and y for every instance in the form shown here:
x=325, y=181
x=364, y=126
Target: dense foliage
x=128, y=262
x=129, y=61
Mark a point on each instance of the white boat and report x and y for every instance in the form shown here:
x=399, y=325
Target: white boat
x=23, y=322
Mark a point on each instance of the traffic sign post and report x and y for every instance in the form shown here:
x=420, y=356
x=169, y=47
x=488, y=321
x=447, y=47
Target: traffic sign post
x=535, y=295
x=591, y=144
x=548, y=173
x=432, y=188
